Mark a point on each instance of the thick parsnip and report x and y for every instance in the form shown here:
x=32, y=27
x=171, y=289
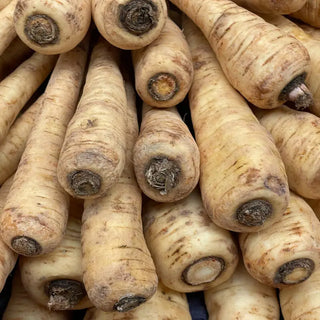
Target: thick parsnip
x=13, y=95
x=12, y=148
x=129, y=24
x=242, y=297
x=35, y=214
x=243, y=180
x=297, y=137
x=267, y=66
x=165, y=156
x=93, y=153
x=309, y=13
x=118, y=271
x=164, y=304
x=163, y=69
x=288, y=251
x=52, y=27
x=190, y=252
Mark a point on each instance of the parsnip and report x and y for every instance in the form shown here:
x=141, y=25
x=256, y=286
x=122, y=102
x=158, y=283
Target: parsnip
x=118, y=271
x=309, y=13
x=288, y=251
x=265, y=65
x=190, y=252
x=243, y=181
x=165, y=156
x=163, y=69
x=4, y=3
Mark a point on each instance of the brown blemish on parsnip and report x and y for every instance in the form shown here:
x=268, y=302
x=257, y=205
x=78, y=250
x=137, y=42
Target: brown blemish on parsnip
x=275, y=184
x=26, y=246
x=163, y=86
x=84, y=182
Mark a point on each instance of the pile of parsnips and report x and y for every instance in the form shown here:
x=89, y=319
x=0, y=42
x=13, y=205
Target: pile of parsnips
x=112, y=204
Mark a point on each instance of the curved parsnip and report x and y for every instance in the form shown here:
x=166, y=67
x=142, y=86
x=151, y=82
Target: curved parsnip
x=297, y=137
x=288, y=251
x=165, y=156
x=267, y=66
x=190, y=252
x=93, y=153
x=243, y=181
x=54, y=280
x=11, y=149
x=129, y=24
x=52, y=27
x=164, y=304
x=309, y=13
x=35, y=214
x=163, y=69
x=242, y=297
x=118, y=271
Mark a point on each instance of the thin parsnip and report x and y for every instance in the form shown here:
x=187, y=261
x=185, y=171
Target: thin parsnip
x=309, y=13
x=129, y=24
x=242, y=176
x=163, y=69
x=267, y=66
x=52, y=27
x=118, y=271
x=288, y=251
x=11, y=149
x=190, y=252
x=93, y=153
x=165, y=156
x=35, y=214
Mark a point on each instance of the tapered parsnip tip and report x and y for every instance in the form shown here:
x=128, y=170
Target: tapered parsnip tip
x=294, y=271
x=26, y=246
x=163, y=86
x=138, y=16
x=64, y=294
x=254, y=212
x=41, y=29
x=203, y=270
x=129, y=302
x=84, y=182
x=162, y=174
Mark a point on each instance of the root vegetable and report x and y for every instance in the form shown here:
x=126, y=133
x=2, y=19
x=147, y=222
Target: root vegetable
x=52, y=27
x=129, y=24
x=164, y=304
x=165, y=156
x=118, y=271
x=309, y=13
x=54, y=280
x=163, y=69
x=243, y=180
x=4, y=3
x=242, y=297
x=287, y=252
x=265, y=65
x=35, y=214
x=190, y=252
x=93, y=153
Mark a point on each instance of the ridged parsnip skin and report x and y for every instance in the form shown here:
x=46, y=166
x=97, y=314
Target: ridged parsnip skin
x=312, y=45
x=22, y=307
x=297, y=137
x=302, y=301
x=8, y=257
x=257, y=58
x=52, y=27
x=36, y=211
x=11, y=149
x=272, y=6
x=13, y=96
x=240, y=163
x=164, y=304
x=288, y=251
x=190, y=252
x=118, y=271
x=166, y=157
x=242, y=297
x=163, y=69
x=309, y=13
x=93, y=153
x=63, y=263
x=129, y=24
